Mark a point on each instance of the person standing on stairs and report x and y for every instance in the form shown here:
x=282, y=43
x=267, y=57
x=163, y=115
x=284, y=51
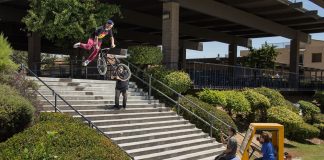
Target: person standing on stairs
x=230, y=152
x=121, y=87
x=95, y=41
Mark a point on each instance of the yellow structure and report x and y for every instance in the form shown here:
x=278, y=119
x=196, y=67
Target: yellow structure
x=277, y=132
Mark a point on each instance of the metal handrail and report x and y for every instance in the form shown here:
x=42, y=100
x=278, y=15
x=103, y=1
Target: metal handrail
x=178, y=104
x=91, y=124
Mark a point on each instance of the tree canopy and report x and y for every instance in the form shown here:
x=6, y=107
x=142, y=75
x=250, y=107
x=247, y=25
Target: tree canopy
x=262, y=58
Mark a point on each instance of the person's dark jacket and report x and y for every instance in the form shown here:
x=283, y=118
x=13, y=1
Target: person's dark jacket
x=122, y=85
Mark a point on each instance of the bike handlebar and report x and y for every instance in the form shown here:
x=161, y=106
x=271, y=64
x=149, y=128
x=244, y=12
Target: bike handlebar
x=105, y=49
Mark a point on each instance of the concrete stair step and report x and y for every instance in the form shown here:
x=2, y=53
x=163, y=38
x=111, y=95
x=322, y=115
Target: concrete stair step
x=171, y=146
x=127, y=115
x=93, y=97
x=100, y=101
x=133, y=132
x=134, y=120
x=161, y=141
x=120, y=127
x=72, y=88
x=176, y=152
x=111, y=111
x=104, y=106
x=149, y=136
x=209, y=154
x=91, y=81
x=110, y=92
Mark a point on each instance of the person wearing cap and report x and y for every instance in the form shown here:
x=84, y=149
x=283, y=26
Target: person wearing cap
x=231, y=142
x=95, y=41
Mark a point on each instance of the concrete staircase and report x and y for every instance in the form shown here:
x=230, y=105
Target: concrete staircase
x=145, y=131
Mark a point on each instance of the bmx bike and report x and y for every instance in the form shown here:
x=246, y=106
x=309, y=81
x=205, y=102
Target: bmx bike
x=120, y=70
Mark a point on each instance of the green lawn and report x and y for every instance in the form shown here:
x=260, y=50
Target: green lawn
x=306, y=151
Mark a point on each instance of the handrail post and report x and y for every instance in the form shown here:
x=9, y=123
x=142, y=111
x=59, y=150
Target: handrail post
x=150, y=88
x=55, y=101
x=178, y=106
x=211, y=126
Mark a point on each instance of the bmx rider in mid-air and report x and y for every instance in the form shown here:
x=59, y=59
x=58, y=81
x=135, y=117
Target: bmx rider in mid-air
x=95, y=41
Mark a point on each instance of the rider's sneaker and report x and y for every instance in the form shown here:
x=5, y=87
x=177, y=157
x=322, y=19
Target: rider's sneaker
x=85, y=63
x=77, y=45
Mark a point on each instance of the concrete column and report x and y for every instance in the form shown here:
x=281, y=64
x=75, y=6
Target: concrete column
x=294, y=61
x=34, y=51
x=232, y=54
x=182, y=58
x=170, y=34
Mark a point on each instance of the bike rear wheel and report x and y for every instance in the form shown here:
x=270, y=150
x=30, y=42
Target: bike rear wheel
x=123, y=72
x=102, y=66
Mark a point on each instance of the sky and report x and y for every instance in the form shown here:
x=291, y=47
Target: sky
x=212, y=49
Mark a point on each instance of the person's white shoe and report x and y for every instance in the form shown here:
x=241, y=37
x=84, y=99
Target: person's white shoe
x=77, y=45
x=85, y=63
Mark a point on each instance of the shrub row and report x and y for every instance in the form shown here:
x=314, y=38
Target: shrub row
x=16, y=112
x=319, y=97
x=59, y=136
x=223, y=116
x=309, y=110
x=295, y=128
x=321, y=128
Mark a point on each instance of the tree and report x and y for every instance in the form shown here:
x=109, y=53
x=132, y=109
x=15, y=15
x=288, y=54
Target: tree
x=67, y=21
x=262, y=58
x=145, y=55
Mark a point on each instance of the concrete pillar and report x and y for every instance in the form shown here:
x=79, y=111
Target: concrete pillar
x=232, y=54
x=182, y=58
x=294, y=61
x=170, y=34
x=34, y=52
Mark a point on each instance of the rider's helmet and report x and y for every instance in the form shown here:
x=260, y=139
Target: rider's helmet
x=110, y=22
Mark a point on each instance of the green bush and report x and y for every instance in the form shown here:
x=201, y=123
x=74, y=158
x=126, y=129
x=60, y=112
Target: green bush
x=16, y=112
x=237, y=103
x=60, y=137
x=321, y=128
x=145, y=55
x=6, y=64
x=309, y=110
x=285, y=117
x=259, y=105
x=304, y=131
x=213, y=97
x=276, y=99
x=319, y=118
x=291, y=107
x=319, y=97
x=223, y=116
x=178, y=81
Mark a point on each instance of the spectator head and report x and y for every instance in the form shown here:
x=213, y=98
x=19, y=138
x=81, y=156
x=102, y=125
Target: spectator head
x=264, y=138
x=231, y=131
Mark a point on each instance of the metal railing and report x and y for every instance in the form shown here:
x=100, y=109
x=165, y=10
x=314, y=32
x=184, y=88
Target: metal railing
x=136, y=71
x=219, y=76
x=56, y=108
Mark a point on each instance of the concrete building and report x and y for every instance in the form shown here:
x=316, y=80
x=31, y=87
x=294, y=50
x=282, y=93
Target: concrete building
x=310, y=55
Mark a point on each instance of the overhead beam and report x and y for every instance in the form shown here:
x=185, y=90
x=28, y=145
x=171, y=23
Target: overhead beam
x=126, y=34
x=3, y=1
x=220, y=10
x=318, y=2
x=149, y=21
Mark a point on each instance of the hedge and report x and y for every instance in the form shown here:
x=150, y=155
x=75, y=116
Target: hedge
x=304, y=131
x=321, y=128
x=60, y=137
x=6, y=64
x=214, y=111
x=178, y=81
x=237, y=103
x=16, y=112
x=276, y=99
x=145, y=55
x=213, y=97
x=259, y=105
x=284, y=116
x=309, y=110
x=319, y=97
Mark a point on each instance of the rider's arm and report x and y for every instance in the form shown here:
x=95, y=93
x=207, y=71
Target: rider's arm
x=96, y=41
x=112, y=42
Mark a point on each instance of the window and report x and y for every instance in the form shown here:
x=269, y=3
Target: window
x=317, y=57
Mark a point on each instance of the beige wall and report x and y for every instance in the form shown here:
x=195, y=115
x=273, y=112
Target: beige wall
x=316, y=46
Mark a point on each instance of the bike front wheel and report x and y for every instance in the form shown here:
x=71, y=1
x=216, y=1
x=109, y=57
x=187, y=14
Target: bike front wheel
x=102, y=66
x=123, y=72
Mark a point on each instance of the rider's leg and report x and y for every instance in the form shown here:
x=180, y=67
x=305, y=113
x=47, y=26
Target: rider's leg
x=87, y=46
x=124, y=98
x=117, y=95
x=94, y=53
